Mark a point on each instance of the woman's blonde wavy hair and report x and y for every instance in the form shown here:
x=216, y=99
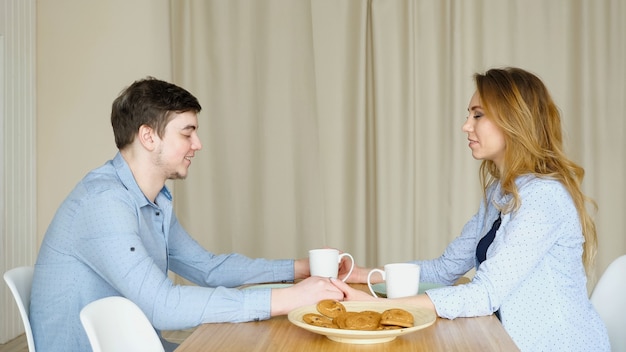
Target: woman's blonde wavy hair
x=519, y=103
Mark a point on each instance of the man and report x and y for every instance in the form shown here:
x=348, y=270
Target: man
x=116, y=235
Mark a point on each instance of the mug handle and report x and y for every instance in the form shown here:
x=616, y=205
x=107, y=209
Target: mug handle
x=351, y=266
x=369, y=283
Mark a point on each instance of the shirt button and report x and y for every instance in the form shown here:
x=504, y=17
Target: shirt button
x=158, y=213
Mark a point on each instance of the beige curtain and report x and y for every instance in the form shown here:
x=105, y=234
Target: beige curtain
x=338, y=122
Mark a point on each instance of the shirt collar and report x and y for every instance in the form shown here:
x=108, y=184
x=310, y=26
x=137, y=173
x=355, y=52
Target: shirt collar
x=501, y=200
x=128, y=180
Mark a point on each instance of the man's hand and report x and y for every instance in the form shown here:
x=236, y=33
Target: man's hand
x=306, y=292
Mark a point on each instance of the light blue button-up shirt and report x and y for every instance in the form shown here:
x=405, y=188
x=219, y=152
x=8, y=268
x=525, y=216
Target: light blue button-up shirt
x=108, y=239
x=533, y=272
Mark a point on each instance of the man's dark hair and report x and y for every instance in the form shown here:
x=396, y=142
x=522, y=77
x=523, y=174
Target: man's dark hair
x=150, y=102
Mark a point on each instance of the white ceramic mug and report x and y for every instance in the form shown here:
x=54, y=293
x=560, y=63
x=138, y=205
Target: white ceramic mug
x=325, y=262
x=401, y=279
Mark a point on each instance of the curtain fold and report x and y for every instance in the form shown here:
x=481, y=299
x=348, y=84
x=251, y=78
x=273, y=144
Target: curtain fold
x=338, y=123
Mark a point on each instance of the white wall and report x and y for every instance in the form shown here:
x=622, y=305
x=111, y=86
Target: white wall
x=88, y=51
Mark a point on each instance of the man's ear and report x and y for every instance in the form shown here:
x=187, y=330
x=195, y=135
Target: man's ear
x=147, y=137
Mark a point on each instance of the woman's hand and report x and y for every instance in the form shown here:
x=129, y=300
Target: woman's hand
x=359, y=276
x=352, y=294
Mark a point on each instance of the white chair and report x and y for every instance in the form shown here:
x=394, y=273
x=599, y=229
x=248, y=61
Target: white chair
x=609, y=301
x=116, y=324
x=20, y=280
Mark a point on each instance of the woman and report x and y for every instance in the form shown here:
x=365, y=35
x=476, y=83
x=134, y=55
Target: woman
x=532, y=276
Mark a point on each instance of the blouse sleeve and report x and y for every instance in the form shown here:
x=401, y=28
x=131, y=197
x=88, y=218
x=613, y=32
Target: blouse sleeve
x=457, y=259
x=523, y=240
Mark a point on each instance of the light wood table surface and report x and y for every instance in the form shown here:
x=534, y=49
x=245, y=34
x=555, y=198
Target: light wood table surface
x=278, y=334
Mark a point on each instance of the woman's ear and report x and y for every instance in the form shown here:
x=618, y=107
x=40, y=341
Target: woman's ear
x=147, y=137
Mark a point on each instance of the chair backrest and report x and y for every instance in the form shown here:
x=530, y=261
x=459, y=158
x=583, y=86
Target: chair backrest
x=20, y=280
x=608, y=300
x=117, y=324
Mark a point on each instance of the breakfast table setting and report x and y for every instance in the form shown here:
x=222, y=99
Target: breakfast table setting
x=292, y=333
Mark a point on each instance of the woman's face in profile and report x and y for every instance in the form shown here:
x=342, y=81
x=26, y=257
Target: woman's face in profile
x=486, y=140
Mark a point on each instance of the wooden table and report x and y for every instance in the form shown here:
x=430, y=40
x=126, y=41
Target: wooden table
x=278, y=334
